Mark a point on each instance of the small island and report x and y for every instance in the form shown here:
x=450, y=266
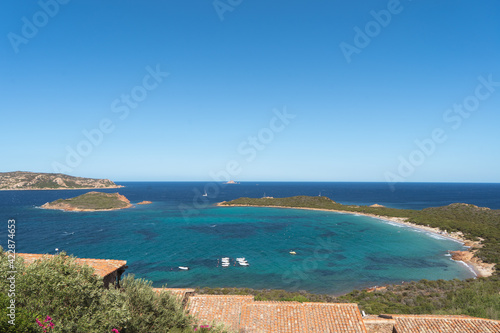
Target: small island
x=145, y=202
x=22, y=180
x=231, y=182
x=90, y=202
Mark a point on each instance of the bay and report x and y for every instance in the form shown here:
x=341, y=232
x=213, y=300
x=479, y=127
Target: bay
x=335, y=252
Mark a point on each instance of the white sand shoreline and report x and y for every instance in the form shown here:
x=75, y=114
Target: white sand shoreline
x=479, y=268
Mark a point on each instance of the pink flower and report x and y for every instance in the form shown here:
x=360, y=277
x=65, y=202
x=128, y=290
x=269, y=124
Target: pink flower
x=114, y=330
x=39, y=323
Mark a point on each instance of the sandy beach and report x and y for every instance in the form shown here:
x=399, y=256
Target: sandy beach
x=479, y=268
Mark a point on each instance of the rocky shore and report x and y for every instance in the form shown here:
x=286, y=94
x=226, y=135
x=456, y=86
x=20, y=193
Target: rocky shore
x=90, y=202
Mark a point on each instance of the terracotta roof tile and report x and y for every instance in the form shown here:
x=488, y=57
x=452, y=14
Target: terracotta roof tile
x=102, y=267
x=179, y=293
x=277, y=317
x=272, y=317
x=444, y=324
x=376, y=324
x=221, y=308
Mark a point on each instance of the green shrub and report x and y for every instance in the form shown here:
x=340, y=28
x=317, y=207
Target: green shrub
x=74, y=297
x=148, y=311
x=24, y=321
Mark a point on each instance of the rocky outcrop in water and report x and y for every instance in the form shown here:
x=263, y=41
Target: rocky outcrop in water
x=91, y=201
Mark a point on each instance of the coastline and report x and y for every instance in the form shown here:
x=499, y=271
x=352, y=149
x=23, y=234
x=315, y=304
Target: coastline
x=69, y=206
x=57, y=189
x=468, y=258
x=84, y=209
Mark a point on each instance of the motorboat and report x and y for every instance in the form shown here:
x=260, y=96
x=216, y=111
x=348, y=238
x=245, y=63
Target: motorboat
x=293, y=252
x=184, y=268
x=242, y=262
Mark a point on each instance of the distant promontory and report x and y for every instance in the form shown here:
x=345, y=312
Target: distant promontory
x=91, y=201
x=21, y=180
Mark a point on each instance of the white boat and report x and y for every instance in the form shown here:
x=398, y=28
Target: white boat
x=184, y=268
x=205, y=194
x=242, y=262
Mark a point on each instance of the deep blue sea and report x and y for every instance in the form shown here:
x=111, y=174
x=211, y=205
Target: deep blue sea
x=335, y=252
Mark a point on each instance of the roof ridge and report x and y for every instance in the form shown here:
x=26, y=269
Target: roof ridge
x=329, y=303
x=222, y=296
x=433, y=316
x=52, y=255
x=276, y=302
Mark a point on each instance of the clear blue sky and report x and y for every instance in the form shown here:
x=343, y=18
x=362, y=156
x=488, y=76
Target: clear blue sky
x=360, y=100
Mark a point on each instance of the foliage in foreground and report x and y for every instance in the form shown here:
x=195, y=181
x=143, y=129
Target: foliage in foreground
x=74, y=297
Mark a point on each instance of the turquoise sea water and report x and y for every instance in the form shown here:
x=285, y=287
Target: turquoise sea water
x=335, y=252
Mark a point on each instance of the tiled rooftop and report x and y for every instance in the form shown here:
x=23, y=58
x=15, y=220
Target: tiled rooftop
x=102, y=267
x=225, y=309
x=444, y=324
x=179, y=293
x=244, y=314
x=272, y=317
x=376, y=324
x=301, y=317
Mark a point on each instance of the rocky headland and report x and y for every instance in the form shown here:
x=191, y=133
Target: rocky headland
x=21, y=180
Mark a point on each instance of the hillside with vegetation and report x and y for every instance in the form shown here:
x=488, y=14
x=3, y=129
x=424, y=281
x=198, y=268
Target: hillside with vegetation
x=91, y=201
x=21, y=180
